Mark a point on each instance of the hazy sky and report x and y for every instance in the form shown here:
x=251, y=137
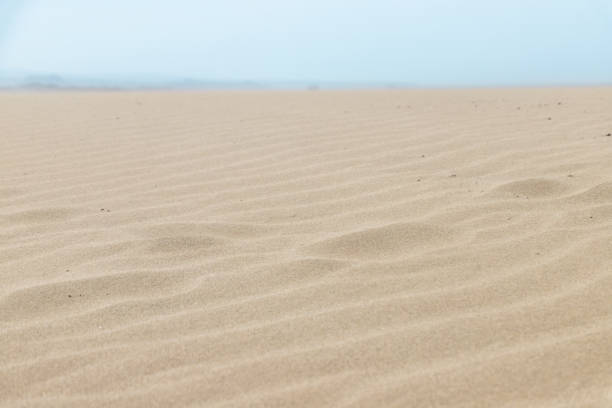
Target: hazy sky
x=427, y=42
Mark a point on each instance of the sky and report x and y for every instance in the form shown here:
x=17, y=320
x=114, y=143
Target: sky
x=422, y=43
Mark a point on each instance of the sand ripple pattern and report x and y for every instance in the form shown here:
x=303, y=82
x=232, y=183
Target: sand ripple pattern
x=316, y=249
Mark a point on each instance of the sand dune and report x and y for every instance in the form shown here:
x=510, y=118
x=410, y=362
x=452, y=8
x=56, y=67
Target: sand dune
x=425, y=248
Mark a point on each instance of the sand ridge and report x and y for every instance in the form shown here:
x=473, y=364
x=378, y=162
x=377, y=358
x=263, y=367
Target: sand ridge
x=422, y=248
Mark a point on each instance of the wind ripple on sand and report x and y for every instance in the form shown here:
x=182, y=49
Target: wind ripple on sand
x=363, y=248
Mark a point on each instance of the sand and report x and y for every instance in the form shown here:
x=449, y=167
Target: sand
x=409, y=248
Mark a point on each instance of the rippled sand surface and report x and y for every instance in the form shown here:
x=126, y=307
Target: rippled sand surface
x=425, y=248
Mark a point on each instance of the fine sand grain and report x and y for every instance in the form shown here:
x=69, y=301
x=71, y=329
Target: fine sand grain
x=441, y=248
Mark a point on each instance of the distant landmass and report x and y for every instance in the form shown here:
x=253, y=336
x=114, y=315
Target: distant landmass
x=59, y=82
x=54, y=81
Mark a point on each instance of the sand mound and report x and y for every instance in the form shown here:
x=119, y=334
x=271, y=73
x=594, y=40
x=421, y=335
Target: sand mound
x=536, y=188
x=383, y=242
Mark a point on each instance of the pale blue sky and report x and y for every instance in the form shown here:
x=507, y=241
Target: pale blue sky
x=428, y=42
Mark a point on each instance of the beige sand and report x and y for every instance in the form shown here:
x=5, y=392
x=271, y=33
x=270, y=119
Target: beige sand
x=354, y=248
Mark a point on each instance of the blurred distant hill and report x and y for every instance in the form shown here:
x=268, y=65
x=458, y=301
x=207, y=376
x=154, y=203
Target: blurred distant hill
x=54, y=81
x=36, y=81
